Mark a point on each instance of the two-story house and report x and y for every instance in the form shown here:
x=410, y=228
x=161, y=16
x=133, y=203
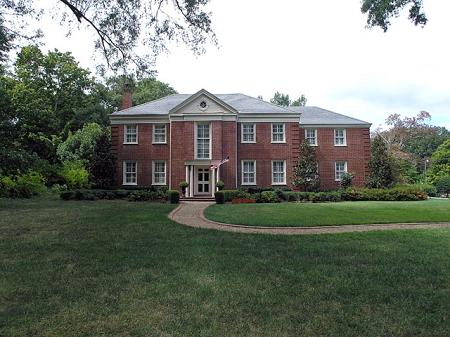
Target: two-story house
x=241, y=140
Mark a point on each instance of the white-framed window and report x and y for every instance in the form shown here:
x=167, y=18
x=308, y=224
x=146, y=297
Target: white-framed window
x=248, y=168
x=278, y=172
x=340, y=167
x=129, y=172
x=203, y=141
x=159, y=172
x=311, y=136
x=278, y=133
x=130, y=134
x=340, y=137
x=159, y=134
x=248, y=133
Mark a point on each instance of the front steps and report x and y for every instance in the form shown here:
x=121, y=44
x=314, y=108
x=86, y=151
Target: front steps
x=206, y=199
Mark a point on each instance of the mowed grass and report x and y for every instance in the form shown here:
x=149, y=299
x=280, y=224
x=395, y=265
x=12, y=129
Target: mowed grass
x=116, y=268
x=326, y=214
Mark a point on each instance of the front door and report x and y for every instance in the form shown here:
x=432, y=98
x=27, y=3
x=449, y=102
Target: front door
x=202, y=185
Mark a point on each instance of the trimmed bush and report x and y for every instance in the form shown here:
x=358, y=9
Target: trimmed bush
x=443, y=186
x=144, y=195
x=220, y=185
x=269, y=197
x=220, y=197
x=230, y=194
x=23, y=186
x=174, y=196
x=98, y=194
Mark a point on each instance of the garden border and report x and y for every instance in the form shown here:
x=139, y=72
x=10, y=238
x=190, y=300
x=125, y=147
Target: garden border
x=191, y=213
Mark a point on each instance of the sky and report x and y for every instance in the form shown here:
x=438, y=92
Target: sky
x=320, y=48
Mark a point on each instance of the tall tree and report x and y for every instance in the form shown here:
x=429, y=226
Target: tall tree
x=306, y=175
x=301, y=101
x=119, y=26
x=440, y=162
x=380, y=12
x=381, y=165
x=102, y=167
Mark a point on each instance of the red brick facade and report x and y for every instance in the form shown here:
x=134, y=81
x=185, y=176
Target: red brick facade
x=226, y=141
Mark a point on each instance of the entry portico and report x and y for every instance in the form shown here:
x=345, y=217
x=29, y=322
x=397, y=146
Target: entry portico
x=202, y=177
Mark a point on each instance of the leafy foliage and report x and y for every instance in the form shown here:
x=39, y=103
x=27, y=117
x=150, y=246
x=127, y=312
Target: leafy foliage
x=22, y=186
x=381, y=165
x=380, y=12
x=102, y=167
x=443, y=185
x=346, y=180
x=119, y=26
x=75, y=174
x=440, y=161
x=80, y=145
x=284, y=100
x=306, y=175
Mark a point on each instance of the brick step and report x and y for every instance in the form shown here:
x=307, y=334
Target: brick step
x=209, y=199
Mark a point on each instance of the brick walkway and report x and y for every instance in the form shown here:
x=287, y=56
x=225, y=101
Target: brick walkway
x=191, y=214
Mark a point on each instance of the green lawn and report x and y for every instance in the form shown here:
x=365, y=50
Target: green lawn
x=326, y=214
x=116, y=268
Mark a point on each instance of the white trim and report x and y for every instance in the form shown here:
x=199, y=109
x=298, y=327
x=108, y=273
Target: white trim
x=335, y=168
x=315, y=136
x=336, y=126
x=242, y=172
x=284, y=171
x=284, y=133
x=125, y=131
x=205, y=117
x=153, y=172
x=137, y=120
x=268, y=118
x=345, y=137
x=153, y=133
x=242, y=133
x=195, y=140
x=124, y=168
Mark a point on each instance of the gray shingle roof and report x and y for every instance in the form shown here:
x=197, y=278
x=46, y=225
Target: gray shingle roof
x=312, y=115
x=242, y=103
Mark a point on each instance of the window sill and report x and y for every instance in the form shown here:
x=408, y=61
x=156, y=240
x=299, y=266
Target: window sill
x=278, y=142
x=254, y=142
x=135, y=143
x=155, y=143
x=248, y=184
x=340, y=145
x=129, y=184
x=279, y=184
x=159, y=184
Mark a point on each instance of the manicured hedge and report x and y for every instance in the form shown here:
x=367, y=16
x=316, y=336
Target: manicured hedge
x=174, y=196
x=149, y=194
x=220, y=197
x=401, y=193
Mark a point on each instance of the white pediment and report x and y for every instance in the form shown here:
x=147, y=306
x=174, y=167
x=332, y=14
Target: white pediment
x=203, y=103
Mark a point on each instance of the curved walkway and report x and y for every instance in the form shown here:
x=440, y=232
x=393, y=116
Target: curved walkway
x=191, y=214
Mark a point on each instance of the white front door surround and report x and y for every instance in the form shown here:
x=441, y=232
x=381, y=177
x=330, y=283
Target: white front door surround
x=202, y=181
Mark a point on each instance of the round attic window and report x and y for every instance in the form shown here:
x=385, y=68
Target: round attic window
x=203, y=105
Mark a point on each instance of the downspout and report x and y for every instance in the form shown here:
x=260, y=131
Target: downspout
x=170, y=153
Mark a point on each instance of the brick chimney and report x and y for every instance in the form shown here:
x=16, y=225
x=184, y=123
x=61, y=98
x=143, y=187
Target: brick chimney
x=127, y=101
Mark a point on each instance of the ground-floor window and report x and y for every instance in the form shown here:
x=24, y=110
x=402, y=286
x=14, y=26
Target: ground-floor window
x=159, y=172
x=129, y=173
x=248, y=172
x=278, y=172
x=340, y=167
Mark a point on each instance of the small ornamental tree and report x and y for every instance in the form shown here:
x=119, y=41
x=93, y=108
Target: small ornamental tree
x=306, y=176
x=346, y=180
x=443, y=185
x=381, y=165
x=440, y=162
x=102, y=168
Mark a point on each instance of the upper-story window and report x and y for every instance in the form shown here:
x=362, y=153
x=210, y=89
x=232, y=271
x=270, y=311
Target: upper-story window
x=203, y=141
x=129, y=173
x=340, y=167
x=248, y=133
x=340, y=137
x=311, y=136
x=159, y=133
x=278, y=172
x=130, y=134
x=278, y=133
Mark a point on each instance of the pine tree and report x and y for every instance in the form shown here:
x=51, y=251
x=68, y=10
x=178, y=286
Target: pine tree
x=306, y=175
x=381, y=165
x=102, y=168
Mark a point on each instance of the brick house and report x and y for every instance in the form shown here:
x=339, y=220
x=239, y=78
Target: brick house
x=186, y=137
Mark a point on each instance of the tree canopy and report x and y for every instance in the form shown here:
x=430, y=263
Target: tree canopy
x=380, y=12
x=284, y=100
x=118, y=26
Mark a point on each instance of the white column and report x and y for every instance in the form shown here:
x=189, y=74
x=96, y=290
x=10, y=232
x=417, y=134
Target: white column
x=187, y=180
x=191, y=181
x=218, y=173
x=213, y=181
